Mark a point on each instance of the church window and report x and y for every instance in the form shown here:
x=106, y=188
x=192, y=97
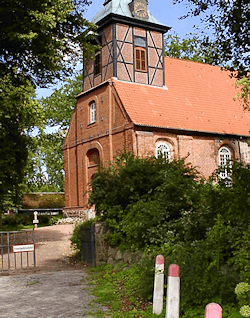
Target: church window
x=92, y=113
x=224, y=162
x=163, y=150
x=97, y=65
x=93, y=158
x=140, y=59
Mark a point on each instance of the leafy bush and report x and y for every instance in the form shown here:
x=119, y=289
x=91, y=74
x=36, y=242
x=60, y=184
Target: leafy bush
x=15, y=221
x=43, y=219
x=242, y=291
x=76, y=235
x=164, y=207
x=137, y=198
x=43, y=200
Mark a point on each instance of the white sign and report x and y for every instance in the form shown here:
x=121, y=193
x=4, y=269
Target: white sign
x=23, y=248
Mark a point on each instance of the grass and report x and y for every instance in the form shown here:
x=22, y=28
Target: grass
x=17, y=222
x=34, y=282
x=117, y=289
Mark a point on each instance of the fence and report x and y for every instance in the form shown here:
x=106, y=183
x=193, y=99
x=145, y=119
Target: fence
x=17, y=250
x=52, y=211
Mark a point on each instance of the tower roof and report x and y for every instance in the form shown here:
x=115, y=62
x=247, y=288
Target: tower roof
x=120, y=8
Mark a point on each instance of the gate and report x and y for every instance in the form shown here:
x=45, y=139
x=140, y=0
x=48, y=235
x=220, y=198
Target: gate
x=17, y=250
x=88, y=245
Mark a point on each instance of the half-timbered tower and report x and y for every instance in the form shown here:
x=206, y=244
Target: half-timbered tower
x=131, y=45
x=135, y=97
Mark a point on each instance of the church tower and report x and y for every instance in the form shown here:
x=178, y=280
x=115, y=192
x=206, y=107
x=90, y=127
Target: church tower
x=131, y=45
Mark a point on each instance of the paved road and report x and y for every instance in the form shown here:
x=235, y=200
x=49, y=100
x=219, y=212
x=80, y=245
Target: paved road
x=57, y=289
x=47, y=295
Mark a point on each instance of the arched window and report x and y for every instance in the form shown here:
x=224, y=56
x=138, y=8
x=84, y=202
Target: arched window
x=224, y=160
x=92, y=113
x=163, y=150
x=93, y=157
x=140, y=59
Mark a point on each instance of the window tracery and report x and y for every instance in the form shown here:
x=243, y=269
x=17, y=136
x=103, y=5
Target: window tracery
x=92, y=113
x=163, y=150
x=224, y=160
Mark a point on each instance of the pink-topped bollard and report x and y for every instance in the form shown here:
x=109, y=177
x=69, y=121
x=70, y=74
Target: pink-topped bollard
x=173, y=292
x=213, y=310
x=158, y=285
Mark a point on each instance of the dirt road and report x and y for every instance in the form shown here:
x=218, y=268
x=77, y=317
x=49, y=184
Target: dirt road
x=58, y=288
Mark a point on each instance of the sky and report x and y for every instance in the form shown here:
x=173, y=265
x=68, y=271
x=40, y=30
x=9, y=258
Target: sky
x=163, y=10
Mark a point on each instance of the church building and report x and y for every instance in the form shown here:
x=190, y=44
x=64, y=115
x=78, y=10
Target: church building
x=136, y=97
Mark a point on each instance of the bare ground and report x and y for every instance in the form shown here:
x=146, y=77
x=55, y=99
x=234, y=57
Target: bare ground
x=58, y=287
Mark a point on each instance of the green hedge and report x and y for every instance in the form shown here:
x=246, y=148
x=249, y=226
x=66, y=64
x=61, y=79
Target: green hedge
x=43, y=200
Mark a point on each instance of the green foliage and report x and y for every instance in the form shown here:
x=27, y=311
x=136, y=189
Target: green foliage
x=18, y=221
x=227, y=40
x=162, y=207
x=137, y=198
x=46, y=165
x=42, y=200
x=19, y=113
x=189, y=48
x=59, y=106
x=41, y=41
x=229, y=23
x=242, y=291
x=51, y=34
x=117, y=288
x=120, y=290
x=244, y=84
x=76, y=235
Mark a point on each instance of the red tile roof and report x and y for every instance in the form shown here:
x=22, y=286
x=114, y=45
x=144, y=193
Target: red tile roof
x=197, y=97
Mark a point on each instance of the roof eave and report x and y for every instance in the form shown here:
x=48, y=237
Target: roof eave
x=92, y=88
x=193, y=130
x=112, y=17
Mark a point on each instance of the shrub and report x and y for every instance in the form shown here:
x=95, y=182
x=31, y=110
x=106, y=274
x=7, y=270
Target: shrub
x=15, y=221
x=163, y=207
x=137, y=198
x=43, y=200
x=76, y=235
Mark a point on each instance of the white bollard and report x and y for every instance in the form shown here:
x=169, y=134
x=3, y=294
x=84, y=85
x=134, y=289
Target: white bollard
x=35, y=221
x=173, y=292
x=158, y=285
x=213, y=310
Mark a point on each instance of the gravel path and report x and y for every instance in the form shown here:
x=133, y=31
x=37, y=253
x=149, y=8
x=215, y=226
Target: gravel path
x=57, y=288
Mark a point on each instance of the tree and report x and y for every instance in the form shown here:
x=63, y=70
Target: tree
x=19, y=112
x=46, y=166
x=42, y=39
x=189, y=48
x=230, y=23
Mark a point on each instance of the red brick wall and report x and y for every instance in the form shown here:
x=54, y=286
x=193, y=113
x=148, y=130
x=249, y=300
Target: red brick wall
x=107, y=135
x=200, y=151
x=113, y=130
